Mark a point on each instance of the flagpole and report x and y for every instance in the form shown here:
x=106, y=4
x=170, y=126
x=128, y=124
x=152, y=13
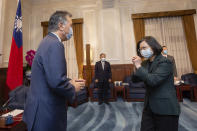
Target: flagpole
x=18, y=2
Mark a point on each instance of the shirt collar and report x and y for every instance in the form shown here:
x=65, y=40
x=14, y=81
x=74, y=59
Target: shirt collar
x=57, y=36
x=165, y=55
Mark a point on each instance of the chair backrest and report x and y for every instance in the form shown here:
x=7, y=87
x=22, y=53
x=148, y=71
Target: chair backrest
x=128, y=79
x=190, y=79
x=18, y=97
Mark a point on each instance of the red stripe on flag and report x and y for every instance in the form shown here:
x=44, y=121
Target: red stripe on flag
x=15, y=66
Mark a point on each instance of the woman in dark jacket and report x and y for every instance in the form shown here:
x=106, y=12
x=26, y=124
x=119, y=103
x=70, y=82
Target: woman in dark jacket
x=161, y=107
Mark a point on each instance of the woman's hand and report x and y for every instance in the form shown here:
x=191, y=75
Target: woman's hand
x=137, y=61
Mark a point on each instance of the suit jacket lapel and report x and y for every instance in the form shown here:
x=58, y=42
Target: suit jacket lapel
x=100, y=65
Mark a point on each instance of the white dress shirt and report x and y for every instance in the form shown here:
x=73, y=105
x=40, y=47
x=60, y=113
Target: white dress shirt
x=56, y=36
x=103, y=64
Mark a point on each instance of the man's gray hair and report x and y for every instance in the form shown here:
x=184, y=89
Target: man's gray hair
x=56, y=18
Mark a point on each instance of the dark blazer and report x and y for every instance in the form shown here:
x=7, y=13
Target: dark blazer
x=160, y=90
x=45, y=108
x=171, y=58
x=101, y=74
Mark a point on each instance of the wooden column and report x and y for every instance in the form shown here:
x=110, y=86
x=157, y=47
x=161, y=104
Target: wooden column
x=190, y=34
x=139, y=29
x=45, y=28
x=88, y=65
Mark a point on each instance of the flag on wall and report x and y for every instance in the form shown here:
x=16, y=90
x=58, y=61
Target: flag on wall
x=15, y=66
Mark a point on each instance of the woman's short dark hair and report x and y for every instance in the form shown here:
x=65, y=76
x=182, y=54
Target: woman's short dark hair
x=153, y=43
x=56, y=18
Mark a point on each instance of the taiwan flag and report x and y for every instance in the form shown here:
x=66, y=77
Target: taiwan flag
x=15, y=66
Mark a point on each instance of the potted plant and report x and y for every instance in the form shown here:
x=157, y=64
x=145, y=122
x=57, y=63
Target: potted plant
x=29, y=58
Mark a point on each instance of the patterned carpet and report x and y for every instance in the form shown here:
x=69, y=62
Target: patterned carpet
x=122, y=116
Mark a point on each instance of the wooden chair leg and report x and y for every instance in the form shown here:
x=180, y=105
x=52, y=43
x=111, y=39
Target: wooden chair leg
x=192, y=93
x=195, y=93
x=178, y=94
x=124, y=94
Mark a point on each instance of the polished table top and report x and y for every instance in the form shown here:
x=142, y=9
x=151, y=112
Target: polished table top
x=16, y=126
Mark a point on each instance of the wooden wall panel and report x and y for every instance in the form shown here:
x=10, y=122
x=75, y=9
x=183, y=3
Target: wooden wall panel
x=119, y=71
x=3, y=87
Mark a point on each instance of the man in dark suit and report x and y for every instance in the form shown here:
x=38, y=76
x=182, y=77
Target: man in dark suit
x=103, y=76
x=171, y=58
x=45, y=108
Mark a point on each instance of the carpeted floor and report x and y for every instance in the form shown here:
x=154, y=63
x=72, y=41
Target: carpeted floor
x=122, y=116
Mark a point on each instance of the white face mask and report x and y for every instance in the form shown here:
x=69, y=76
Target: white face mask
x=103, y=59
x=165, y=52
x=147, y=53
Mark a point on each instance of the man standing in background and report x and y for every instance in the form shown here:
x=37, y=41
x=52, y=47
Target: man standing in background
x=171, y=58
x=103, y=77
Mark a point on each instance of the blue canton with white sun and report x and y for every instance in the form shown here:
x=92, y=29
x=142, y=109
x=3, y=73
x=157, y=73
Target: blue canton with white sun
x=18, y=24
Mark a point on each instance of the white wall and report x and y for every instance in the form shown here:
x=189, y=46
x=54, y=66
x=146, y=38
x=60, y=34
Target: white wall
x=8, y=13
x=2, y=8
x=107, y=30
x=104, y=29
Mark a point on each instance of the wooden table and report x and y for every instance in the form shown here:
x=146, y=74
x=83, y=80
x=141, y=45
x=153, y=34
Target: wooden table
x=178, y=93
x=182, y=88
x=18, y=124
x=121, y=90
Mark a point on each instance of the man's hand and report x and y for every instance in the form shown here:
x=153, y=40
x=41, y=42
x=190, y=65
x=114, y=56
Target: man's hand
x=137, y=61
x=96, y=80
x=109, y=80
x=78, y=84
